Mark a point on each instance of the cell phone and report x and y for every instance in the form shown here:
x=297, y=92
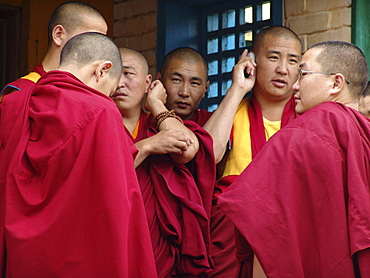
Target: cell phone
x=250, y=54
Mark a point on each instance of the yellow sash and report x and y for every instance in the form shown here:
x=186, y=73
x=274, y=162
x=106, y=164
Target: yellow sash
x=33, y=76
x=240, y=154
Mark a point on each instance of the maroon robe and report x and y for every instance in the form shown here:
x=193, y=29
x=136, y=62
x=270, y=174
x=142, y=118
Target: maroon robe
x=71, y=203
x=200, y=116
x=222, y=230
x=178, y=205
x=303, y=203
x=23, y=83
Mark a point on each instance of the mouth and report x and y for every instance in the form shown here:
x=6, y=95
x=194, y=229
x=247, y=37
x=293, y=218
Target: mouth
x=280, y=83
x=119, y=95
x=182, y=104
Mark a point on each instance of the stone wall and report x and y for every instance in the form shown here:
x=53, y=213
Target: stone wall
x=318, y=20
x=135, y=27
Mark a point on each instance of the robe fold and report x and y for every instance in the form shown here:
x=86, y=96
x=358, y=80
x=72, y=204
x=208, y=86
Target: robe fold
x=178, y=205
x=222, y=230
x=303, y=204
x=71, y=203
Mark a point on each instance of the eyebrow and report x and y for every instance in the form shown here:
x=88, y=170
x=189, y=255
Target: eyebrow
x=279, y=52
x=192, y=78
x=128, y=67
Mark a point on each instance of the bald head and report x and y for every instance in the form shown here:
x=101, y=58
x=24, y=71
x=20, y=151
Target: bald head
x=186, y=54
x=87, y=48
x=276, y=32
x=347, y=59
x=139, y=58
x=73, y=15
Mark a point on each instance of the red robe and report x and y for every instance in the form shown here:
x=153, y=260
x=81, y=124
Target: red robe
x=23, y=83
x=303, y=203
x=200, y=116
x=222, y=230
x=71, y=203
x=178, y=205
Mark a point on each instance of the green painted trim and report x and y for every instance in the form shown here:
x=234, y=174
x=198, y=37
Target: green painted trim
x=360, y=30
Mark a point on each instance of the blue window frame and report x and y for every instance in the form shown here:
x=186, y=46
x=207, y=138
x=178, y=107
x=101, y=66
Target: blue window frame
x=219, y=29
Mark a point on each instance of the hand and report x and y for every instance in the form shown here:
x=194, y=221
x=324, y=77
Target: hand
x=245, y=66
x=169, y=141
x=156, y=96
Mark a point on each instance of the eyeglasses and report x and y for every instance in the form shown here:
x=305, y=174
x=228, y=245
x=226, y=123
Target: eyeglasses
x=302, y=73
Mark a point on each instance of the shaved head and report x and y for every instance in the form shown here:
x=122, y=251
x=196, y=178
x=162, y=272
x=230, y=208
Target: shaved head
x=347, y=59
x=276, y=32
x=72, y=15
x=87, y=48
x=186, y=54
x=140, y=58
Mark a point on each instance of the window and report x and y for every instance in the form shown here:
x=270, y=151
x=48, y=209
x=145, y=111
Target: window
x=228, y=33
x=219, y=29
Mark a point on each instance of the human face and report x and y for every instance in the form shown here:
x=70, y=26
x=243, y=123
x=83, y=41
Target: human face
x=185, y=84
x=364, y=106
x=313, y=88
x=277, y=65
x=133, y=84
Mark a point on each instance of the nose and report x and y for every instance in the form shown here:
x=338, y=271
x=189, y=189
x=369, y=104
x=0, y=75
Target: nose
x=296, y=87
x=282, y=67
x=184, y=90
x=121, y=83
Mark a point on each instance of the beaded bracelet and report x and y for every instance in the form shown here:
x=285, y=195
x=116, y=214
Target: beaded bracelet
x=164, y=115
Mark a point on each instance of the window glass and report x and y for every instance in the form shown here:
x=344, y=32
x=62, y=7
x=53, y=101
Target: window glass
x=228, y=19
x=212, y=22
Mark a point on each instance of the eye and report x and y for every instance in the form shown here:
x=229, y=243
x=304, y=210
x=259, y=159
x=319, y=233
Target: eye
x=127, y=73
x=273, y=58
x=195, y=83
x=293, y=61
x=176, y=80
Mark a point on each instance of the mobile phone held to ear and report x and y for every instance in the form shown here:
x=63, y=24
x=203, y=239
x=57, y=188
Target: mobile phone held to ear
x=251, y=55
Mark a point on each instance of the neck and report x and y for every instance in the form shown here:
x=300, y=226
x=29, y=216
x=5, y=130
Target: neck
x=353, y=105
x=130, y=119
x=51, y=60
x=272, y=111
x=346, y=99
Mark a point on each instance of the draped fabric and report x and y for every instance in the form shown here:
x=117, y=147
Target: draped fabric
x=71, y=203
x=178, y=205
x=303, y=204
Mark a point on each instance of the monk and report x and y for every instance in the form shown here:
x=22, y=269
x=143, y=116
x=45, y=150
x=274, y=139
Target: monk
x=307, y=190
x=184, y=74
x=250, y=122
x=175, y=168
x=364, y=103
x=70, y=200
x=68, y=19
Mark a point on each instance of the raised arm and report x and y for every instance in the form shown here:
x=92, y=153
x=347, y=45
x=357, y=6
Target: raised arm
x=185, y=141
x=221, y=121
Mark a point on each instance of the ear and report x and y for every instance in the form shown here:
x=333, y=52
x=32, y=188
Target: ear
x=58, y=34
x=148, y=81
x=338, y=84
x=103, y=69
x=159, y=76
x=207, y=87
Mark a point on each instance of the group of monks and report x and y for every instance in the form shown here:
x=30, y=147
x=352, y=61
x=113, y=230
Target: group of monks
x=105, y=172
